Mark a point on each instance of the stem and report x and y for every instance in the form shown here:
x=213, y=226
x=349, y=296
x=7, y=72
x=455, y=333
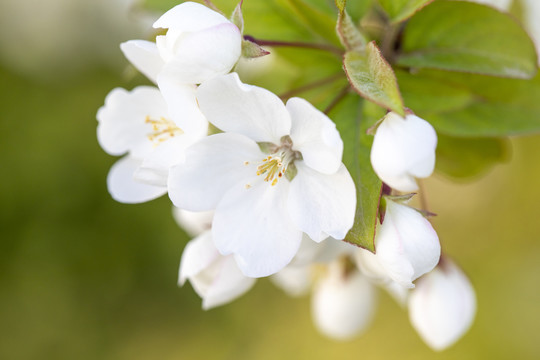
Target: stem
x=422, y=195
x=388, y=42
x=297, y=44
x=310, y=86
x=340, y=96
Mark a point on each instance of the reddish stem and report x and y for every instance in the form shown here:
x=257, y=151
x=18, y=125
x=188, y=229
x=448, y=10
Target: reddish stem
x=297, y=44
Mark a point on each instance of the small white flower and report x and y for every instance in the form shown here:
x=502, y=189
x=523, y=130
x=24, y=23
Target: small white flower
x=406, y=244
x=199, y=45
x=442, y=306
x=215, y=278
x=403, y=149
x=260, y=213
x=343, y=303
x=138, y=123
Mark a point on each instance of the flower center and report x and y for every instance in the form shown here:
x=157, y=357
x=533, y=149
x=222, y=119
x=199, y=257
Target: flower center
x=274, y=166
x=162, y=129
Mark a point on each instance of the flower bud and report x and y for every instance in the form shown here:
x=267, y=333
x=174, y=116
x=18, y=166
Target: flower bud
x=442, y=306
x=343, y=303
x=403, y=149
x=406, y=244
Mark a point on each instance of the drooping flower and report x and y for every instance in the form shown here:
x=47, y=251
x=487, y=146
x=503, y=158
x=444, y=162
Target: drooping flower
x=215, y=278
x=262, y=207
x=406, y=245
x=138, y=123
x=403, y=149
x=442, y=306
x=343, y=303
x=199, y=45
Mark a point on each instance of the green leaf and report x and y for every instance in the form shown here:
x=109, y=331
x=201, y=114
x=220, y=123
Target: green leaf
x=349, y=35
x=466, y=158
x=316, y=20
x=426, y=95
x=400, y=10
x=494, y=107
x=352, y=120
x=373, y=78
x=237, y=18
x=250, y=50
x=468, y=37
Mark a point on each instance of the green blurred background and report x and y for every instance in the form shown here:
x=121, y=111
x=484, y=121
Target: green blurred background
x=84, y=277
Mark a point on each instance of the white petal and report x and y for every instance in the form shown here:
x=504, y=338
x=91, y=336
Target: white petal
x=369, y=264
x=194, y=223
x=123, y=187
x=154, y=169
x=122, y=125
x=253, y=224
x=343, y=306
x=331, y=249
x=403, y=149
x=326, y=251
x=189, y=16
x=442, y=306
x=307, y=252
x=183, y=107
x=406, y=244
x=203, y=55
x=249, y=110
x=144, y=55
x=213, y=165
x=228, y=285
x=199, y=254
x=294, y=280
x=322, y=205
x=315, y=136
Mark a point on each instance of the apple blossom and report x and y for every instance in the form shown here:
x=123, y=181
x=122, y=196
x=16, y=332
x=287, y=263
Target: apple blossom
x=138, y=123
x=262, y=207
x=406, y=245
x=403, y=149
x=443, y=305
x=199, y=44
x=215, y=278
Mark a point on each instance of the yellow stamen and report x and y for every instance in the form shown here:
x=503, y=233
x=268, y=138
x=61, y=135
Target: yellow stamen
x=163, y=129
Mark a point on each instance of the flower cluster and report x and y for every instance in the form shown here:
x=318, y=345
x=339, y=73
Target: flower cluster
x=261, y=186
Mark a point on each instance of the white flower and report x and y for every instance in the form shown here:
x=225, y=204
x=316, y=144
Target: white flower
x=138, y=123
x=199, y=45
x=260, y=213
x=406, y=244
x=442, y=306
x=343, y=303
x=403, y=149
x=215, y=278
